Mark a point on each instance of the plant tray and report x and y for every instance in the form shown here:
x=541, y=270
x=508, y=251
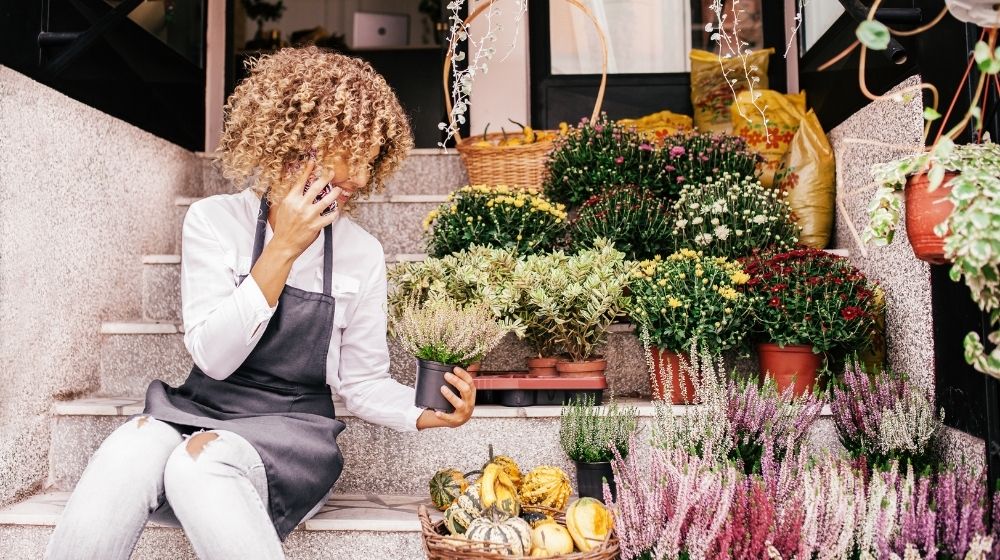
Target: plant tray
x=517, y=389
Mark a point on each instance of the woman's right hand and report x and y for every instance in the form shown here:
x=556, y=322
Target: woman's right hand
x=297, y=218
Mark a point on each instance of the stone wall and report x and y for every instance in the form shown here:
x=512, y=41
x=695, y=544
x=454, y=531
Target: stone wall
x=83, y=196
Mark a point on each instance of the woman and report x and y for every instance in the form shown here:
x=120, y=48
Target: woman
x=275, y=315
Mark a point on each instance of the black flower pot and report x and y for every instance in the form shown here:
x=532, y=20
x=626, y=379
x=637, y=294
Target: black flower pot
x=590, y=478
x=430, y=378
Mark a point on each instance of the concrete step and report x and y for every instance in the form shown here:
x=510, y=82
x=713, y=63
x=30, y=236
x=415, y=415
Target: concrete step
x=424, y=171
x=134, y=353
x=395, y=220
x=358, y=527
x=377, y=459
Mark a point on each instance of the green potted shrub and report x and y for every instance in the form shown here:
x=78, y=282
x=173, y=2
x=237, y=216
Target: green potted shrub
x=684, y=298
x=577, y=298
x=520, y=220
x=808, y=306
x=593, y=155
x=634, y=220
x=444, y=334
x=588, y=434
x=731, y=215
x=533, y=293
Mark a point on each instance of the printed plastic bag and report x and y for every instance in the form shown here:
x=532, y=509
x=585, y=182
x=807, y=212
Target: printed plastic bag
x=810, y=176
x=784, y=112
x=656, y=126
x=711, y=94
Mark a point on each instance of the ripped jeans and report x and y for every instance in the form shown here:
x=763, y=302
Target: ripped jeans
x=211, y=483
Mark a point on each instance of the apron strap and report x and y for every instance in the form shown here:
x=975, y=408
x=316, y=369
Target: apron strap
x=258, y=243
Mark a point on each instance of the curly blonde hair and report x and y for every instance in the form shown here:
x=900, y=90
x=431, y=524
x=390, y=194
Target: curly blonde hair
x=298, y=101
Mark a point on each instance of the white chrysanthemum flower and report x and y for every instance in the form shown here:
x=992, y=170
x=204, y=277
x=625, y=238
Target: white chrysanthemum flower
x=697, y=220
x=759, y=219
x=715, y=221
x=722, y=232
x=681, y=223
x=703, y=238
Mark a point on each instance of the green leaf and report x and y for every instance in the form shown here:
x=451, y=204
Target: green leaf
x=936, y=177
x=874, y=35
x=930, y=114
x=986, y=59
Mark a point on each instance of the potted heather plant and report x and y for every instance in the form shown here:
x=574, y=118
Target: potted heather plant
x=692, y=158
x=635, y=221
x=590, y=435
x=443, y=334
x=731, y=215
x=520, y=220
x=808, y=306
x=885, y=419
x=687, y=297
x=582, y=295
x=592, y=155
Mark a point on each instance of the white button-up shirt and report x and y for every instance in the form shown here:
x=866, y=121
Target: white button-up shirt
x=223, y=321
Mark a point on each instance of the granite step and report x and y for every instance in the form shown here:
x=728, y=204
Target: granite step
x=395, y=220
x=135, y=352
x=377, y=459
x=424, y=171
x=349, y=527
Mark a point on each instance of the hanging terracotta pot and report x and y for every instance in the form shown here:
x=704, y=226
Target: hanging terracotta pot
x=589, y=368
x=542, y=367
x=924, y=211
x=794, y=365
x=665, y=362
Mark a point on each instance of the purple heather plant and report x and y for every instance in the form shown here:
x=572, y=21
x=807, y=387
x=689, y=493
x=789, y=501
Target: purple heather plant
x=883, y=418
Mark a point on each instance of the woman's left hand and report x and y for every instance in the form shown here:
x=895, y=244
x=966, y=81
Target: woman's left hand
x=464, y=404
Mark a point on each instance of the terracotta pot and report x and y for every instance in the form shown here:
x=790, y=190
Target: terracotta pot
x=542, y=367
x=473, y=369
x=924, y=211
x=657, y=383
x=794, y=365
x=588, y=368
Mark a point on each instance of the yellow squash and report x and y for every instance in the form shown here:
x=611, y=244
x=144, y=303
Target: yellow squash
x=588, y=522
x=551, y=539
x=546, y=486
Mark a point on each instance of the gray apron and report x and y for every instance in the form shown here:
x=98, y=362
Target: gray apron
x=277, y=399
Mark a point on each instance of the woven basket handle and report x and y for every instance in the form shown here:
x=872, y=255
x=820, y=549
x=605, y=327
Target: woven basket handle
x=487, y=5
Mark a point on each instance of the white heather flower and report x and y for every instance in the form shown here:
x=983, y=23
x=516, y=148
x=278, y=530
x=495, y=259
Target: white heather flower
x=722, y=232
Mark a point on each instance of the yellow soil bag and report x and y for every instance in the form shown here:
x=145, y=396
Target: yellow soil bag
x=711, y=94
x=810, y=177
x=784, y=112
x=656, y=126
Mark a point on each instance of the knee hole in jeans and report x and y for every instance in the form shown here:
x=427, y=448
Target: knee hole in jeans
x=196, y=443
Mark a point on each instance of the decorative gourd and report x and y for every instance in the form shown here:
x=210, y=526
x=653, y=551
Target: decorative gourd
x=552, y=539
x=546, y=486
x=536, y=518
x=457, y=519
x=512, y=534
x=446, y=486
x=588, y=522
x=498, y=491
x=509, y=466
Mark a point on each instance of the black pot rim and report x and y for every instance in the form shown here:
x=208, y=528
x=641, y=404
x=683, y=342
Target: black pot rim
x=592, y=464
x=437, y=366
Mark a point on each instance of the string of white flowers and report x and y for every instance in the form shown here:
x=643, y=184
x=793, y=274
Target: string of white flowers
x=734, y=46
x=482, y=50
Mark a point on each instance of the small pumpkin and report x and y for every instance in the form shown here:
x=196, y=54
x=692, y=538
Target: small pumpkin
x=457, y=519
x=552, y=539
x=446, y=486
x=498, y=491
x=546, y=486
x=588, y=522
x=509, y=466
x=513, y=535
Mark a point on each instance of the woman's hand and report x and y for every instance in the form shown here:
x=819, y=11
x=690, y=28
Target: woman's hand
x=463, y=404
x=298, y=217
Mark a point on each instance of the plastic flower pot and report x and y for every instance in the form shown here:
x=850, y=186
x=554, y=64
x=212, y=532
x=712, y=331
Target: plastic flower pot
x=794, y=365
x=542, y=367
x=588, y=368
x=924, y=211
x=590, y=479
x=430, y=378
x=659, y=384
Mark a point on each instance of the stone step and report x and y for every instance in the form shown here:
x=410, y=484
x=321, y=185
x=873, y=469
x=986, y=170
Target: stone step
x=395, y=220
x=376, y=459
x=350, y=526
x=134, y=353
x=424, y=171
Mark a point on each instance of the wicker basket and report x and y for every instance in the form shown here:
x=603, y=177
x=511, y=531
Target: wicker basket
x=440, y=545
x=521, y=165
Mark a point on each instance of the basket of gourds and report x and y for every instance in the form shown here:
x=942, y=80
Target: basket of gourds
x=505, y=515
x=520, y=158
